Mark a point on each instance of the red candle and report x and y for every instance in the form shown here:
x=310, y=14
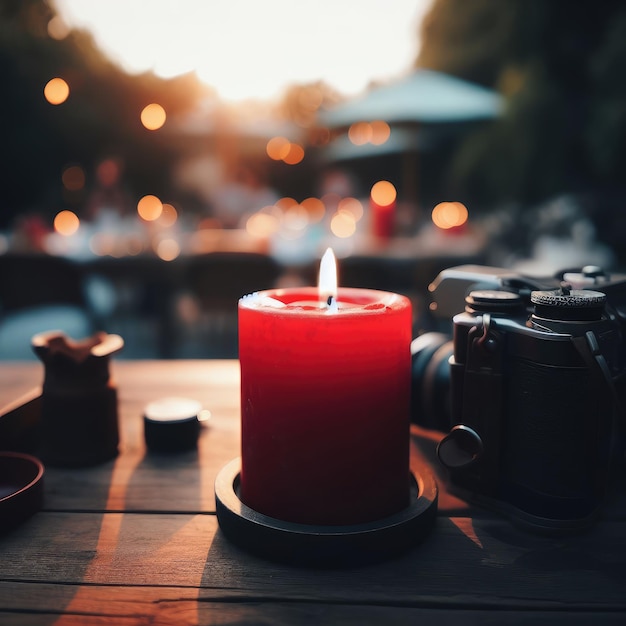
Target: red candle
x=325, y=391
x=383, y=209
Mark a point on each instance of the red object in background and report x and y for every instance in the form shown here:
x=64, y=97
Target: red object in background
x=383, y=219
x=325, y=405
x=383, y=209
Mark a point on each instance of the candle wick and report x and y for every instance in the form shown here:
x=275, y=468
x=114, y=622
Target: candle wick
x=331, y=304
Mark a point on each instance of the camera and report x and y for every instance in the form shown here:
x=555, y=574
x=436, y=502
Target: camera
x=529, y=390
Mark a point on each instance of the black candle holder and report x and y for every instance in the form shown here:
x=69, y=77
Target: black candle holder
x=321, y=545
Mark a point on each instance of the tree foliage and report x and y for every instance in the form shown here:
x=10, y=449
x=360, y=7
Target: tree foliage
x=99, y=119
x=560, y=67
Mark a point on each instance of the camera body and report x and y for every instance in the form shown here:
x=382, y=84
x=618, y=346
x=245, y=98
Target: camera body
x=534, y=397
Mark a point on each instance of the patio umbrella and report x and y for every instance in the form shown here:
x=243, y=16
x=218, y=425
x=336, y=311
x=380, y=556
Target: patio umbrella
x=424, y=96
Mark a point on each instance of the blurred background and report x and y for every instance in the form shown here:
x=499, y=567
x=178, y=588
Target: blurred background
x=161, y=159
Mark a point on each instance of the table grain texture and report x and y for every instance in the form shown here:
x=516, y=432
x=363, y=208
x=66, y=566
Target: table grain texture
x=136, y=541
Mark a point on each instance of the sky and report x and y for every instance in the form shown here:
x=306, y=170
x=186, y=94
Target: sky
x=254, y=49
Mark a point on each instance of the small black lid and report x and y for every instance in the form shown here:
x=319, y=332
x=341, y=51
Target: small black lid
x=171, y=424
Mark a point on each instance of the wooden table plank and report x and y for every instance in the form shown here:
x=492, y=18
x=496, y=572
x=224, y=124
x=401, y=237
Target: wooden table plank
x=96, y=605
x=463, y=563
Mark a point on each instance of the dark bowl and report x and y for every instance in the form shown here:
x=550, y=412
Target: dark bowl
x=21, y=488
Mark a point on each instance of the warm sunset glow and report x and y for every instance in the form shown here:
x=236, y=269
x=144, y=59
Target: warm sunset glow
x=343, y=225
x=169, y=215
x=73, y=178
x=383, y=193
x=56, y=91
x=380, y=132
x=295, y=154
x=315, y=209
x=254, y=50
x=66, y=223
x=153, y=116
x=278, y=148
x=149, y=208
x=450, y=215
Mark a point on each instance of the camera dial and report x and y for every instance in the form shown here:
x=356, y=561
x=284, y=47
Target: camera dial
x=568, y=304
x=494, y=302
x=562, y=310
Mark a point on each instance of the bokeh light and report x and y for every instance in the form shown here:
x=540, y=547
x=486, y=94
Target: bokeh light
x=56, y=91
x=153, y=116
x=278, y=148
x=296, y=219
x=149, y=208
x=360, y=133
x=450, y=215
x=262, y=225
x=108, y=172
x=286, y=203
x=73, y=178
x=281, y=149
x=169, y=215
x=380, y=132
x=295, y=154
x=343, y=225
x=57, y=28
x=383, y=193
x=102, y=244
x=315, y=209
x=353, y=206
x=167, y=249
x=66, y=223
x=377, y=133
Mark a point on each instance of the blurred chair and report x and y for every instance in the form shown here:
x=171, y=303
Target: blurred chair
x=38, y=293
x=377, y=272
x=215, y=282
x=138, y=293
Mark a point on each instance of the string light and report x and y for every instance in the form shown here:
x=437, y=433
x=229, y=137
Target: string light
x=56, y=91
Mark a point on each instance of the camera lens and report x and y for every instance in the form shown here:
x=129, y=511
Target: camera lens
x=430, y=386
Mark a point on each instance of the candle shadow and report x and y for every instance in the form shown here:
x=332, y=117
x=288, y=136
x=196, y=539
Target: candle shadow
x=407, y=575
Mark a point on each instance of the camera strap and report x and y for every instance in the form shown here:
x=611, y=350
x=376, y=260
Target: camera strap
x=588, y=348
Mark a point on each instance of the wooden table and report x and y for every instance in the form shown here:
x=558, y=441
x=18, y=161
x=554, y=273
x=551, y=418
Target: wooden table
x=136, y=541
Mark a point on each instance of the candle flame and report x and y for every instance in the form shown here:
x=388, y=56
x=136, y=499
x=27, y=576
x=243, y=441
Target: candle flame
x=327, y=284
